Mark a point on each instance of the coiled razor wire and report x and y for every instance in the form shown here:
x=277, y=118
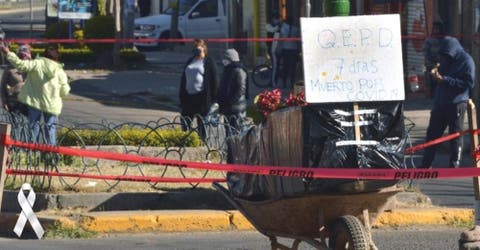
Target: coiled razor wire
x=213, y=130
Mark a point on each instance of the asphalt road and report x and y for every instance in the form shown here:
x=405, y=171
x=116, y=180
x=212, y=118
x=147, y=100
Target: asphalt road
x=134, y=96
x=385, y=239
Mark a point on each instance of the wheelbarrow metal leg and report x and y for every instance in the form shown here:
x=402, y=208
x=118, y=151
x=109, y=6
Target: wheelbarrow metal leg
x=368, y=229
x=276, y=245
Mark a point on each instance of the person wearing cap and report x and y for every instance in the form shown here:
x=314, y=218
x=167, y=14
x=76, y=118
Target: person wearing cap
x=12, y=82
x=198, y=86
x=45, y=86
x=233, y=91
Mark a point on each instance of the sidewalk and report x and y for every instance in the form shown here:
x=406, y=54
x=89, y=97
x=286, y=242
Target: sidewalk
x=398, y=214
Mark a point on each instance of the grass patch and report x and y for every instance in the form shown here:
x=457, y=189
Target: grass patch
x=129, y=136
x=58, y=231
x=459, y=223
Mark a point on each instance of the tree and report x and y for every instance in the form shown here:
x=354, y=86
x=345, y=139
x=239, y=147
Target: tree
x=174, y=23
x=118, y=32
x=102, y=7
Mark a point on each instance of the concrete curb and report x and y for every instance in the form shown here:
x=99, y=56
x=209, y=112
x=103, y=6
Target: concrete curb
x=195, y=199
x=435, y=216
x=217, y=220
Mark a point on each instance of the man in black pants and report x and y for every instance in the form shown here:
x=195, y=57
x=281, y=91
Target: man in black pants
x=453, y=80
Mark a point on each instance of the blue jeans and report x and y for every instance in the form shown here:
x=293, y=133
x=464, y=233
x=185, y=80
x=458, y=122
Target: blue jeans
x=34, y=116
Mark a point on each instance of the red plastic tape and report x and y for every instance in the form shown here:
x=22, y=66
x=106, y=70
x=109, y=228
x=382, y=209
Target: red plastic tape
x=328, y=173
x=115, y=177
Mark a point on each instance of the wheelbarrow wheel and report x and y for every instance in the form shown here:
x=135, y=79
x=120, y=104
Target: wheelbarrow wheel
x=348, y=233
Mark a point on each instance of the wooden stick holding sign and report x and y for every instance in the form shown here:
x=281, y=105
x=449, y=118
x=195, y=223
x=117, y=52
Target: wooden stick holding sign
x=470, y=239
x=472, y=125
x=356, y=120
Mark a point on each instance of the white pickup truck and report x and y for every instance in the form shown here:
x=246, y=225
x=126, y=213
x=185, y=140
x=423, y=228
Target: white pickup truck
x=196, y=19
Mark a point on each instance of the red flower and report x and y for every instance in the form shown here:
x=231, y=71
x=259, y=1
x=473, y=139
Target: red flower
x=296, y=100
x=270, y=101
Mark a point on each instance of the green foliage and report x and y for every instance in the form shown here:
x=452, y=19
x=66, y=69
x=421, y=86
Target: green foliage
x=78, y=34
x=57, y=30
x=59, y=231
x=461, y=223
x=255, y=114
x=14, y=47
x=76, y=55
x=100, y=27
x=102, y=7
x=85, y=55
x=132, y=137
x=131, y=55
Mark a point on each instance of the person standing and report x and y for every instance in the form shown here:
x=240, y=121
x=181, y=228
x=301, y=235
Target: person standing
x=198, y=86
x=453, y=83
x=12, y=82
x=45, y=86
x=290, y=52
x=232, y=94
x=273, y=47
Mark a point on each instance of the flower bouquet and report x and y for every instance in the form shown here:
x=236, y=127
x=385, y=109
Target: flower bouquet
x=271, y=100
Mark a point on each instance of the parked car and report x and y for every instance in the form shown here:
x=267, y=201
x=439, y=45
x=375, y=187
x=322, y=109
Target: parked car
x=196, y=19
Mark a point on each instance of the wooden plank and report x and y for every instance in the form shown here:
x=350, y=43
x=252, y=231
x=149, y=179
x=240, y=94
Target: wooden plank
x=4, y=134
x=286, y=137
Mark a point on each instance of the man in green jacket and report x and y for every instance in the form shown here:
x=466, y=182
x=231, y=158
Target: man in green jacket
x=44, y=88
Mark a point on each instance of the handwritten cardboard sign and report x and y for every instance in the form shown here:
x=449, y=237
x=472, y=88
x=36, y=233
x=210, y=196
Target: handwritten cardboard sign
x=352, y=59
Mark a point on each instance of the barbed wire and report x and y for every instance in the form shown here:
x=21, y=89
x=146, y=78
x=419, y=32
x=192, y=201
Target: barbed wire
x=213, y=131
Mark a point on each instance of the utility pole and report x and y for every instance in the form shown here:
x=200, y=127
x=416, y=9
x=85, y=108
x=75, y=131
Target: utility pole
x=31, y=19
x=128, y=21
x=117, y=10
x=174, y=22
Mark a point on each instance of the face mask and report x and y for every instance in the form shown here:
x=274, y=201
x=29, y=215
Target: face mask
x=197, y=52
x=225, y=62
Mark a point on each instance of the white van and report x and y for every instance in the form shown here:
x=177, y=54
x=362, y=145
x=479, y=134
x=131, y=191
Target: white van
x=196, y=19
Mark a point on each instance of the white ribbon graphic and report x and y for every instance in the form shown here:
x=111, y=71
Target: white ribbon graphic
x=26, y=203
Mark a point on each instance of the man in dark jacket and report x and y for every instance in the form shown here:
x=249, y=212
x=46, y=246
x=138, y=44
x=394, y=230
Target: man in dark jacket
x=232, y=94
x=454, y=80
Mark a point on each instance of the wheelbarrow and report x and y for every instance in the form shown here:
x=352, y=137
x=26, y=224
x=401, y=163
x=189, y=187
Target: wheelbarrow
x=344, y=219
